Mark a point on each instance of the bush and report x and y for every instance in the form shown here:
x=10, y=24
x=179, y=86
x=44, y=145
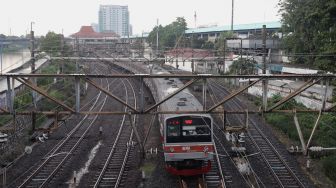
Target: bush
x=325, y=134
x=329, y=165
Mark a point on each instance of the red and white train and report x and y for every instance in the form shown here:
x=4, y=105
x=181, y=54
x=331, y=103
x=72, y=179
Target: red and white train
x=187, y=139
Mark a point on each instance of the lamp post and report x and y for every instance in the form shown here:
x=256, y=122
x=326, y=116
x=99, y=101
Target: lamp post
x=31, y=26
x=32, y=56
x=157, y=37
x=232, y=13
x=1, y=55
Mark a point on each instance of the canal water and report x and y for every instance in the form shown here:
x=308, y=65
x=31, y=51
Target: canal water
x=13, y=60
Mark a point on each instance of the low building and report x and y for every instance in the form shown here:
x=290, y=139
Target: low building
x=252, y=30
x=134, y=38
x=251, y=43
x=184, y=57
x=87, y=35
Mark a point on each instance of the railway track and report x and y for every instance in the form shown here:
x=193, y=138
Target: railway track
x=279, y=166
x=215, y=177
x=232, y=177
x=192, y=182
x=114, y=169
x=41, y=174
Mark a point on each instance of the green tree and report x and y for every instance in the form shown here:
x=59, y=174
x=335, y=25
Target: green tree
x=243, y=66
x=169, y=35
x=219, y=43
x=309, y=28
x=51, y=44
x=208, y=45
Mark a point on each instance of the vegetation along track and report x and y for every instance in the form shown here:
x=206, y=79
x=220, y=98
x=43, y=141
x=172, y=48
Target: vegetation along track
x=42, y=173
x=279, y=165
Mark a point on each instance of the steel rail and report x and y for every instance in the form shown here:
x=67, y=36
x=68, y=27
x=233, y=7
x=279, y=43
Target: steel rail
x=108, y=160
x=167, y=112
x=278, y=155
x=290, y=171
x=214, y=99
x=222, y=180
x=71, y=151
x=77, y=143
x=62, y=143
x=189, y=76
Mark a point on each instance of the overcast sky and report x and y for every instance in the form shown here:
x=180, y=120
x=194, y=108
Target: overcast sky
x=69, y=15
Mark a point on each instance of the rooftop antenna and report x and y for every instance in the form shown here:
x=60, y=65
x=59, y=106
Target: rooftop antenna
x=195, y=19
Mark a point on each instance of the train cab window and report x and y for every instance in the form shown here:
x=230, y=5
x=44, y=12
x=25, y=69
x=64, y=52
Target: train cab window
x=188, y=129
x=195, y=130
x=173, y=128
x=196, y=126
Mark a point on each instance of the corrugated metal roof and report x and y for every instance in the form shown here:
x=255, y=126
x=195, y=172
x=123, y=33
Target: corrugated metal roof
x=144, y=35
x=235, y=27
x=165, y=89
x=293, y=70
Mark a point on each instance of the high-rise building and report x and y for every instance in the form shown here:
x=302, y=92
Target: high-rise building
x=130, y=29
x=114, y=18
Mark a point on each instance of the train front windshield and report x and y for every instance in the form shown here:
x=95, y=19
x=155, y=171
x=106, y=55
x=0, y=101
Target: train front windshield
x=188, y=129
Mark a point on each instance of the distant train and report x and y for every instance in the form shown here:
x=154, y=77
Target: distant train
x=187, y=139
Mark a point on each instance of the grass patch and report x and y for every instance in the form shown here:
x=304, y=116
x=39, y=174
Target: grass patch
x=148, y=168
x=5, y=119
x=61, y=90
x=325, y=134
x=329, y=164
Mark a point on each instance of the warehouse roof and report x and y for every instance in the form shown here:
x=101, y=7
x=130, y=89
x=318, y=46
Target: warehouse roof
x=272, y=25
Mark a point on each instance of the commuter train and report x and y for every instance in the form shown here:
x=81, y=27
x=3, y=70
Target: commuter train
x=187, y=139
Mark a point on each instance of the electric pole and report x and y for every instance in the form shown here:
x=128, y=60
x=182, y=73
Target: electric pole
x=32, y=56
x=32, y=53
x=264, y=82
x=232, y=11
x=157, y=37
x=195, y=17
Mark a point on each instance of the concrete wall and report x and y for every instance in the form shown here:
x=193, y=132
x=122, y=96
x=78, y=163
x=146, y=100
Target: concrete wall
x=311, y=100
x=253, y=43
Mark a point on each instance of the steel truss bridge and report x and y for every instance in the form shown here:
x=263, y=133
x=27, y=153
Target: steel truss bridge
x=88, y=78
x=25, y=79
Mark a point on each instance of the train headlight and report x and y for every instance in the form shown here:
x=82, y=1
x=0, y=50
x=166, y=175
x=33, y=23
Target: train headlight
x=206, y=149
x=171, y=149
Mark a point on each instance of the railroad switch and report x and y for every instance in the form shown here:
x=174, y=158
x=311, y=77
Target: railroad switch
x=238, y=149
x=152, y=151
x=100, y=130
x=130, y=144
x=295, y=149
x=74, y=177
x=234, y=137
